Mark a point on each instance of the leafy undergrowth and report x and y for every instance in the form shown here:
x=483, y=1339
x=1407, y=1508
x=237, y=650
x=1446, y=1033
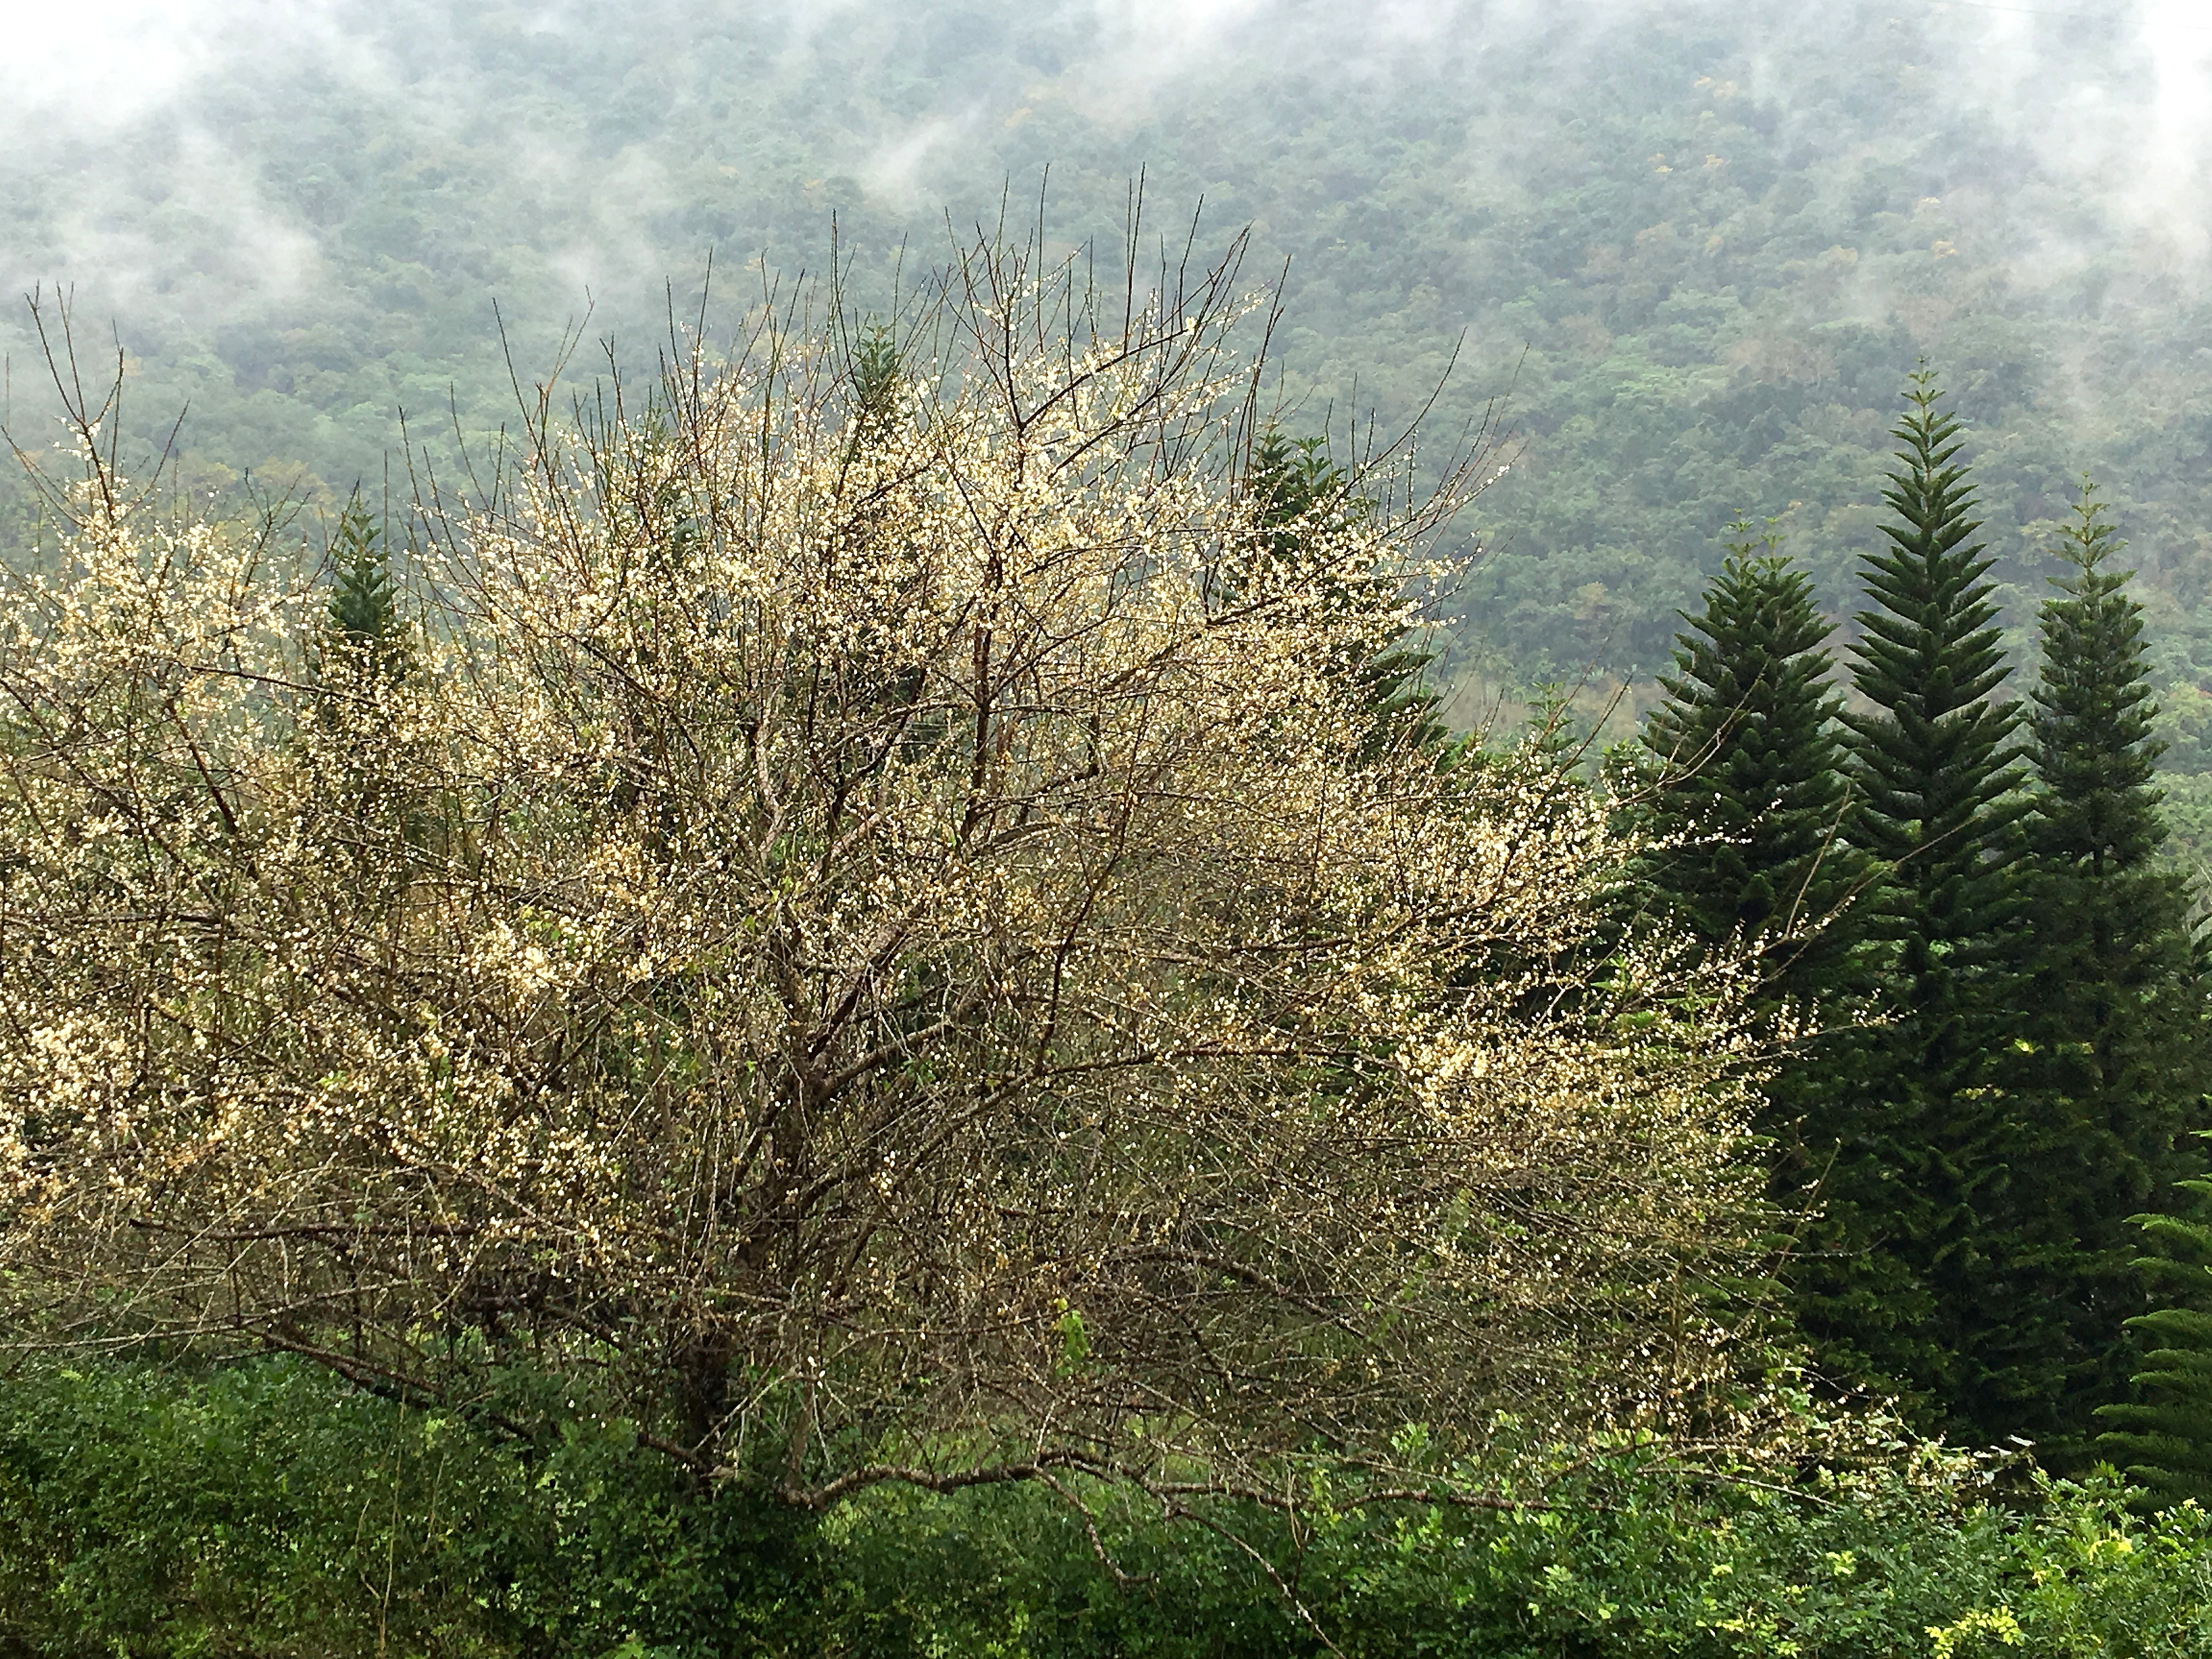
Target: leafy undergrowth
x=265, y=1509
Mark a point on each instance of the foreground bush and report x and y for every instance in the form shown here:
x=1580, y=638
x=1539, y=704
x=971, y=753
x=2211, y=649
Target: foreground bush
x=265, y=1509
x=268, y=1509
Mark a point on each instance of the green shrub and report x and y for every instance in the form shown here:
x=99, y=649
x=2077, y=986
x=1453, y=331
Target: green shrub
x=1887, y=1565
x=265, y=1509
x=268, y=1510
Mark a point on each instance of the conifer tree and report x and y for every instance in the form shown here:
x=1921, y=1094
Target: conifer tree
x=364, y=608
x=2163, y=1442
x=1295, y=488
x=1917, y=1289
x=1749, y=793
x=877, y=374
x=363, y=656
x=2113, y=1064
x=1746, y=801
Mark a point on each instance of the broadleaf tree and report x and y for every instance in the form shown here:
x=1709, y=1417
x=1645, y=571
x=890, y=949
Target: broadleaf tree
x=857, y=952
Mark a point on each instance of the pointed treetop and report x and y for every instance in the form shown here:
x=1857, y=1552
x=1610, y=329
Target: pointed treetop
x=2085, y=542
x=1749, y=790
x=2094, y=750
x=1298, y=492
x=1931, y=647
x=1931, y=437
x=364, y=605
x=876, y=371
x=1935, y=751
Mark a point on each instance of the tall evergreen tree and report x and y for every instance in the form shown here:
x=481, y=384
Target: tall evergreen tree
x=876, y=372
x=366, y=628
x=1292, y=484
x=1746, y=800
x=1749, y=792
x=365, y=654
x=1917, y=1290
x=2112, y=1063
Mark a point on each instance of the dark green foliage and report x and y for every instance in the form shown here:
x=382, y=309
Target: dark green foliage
x=1748, y=782
x=2113, y=1075
x=1913, y=1281
x=1292, y=481
x=268, y=1509
x=366, y=630
x=1936, y=759
x=2163, y=1440
x=1699, y=245
x=365, y=654
x=875, y=371
x=263, y=1509
x=2094, y=750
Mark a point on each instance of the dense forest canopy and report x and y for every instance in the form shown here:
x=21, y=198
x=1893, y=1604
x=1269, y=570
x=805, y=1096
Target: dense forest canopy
x=1695, y=247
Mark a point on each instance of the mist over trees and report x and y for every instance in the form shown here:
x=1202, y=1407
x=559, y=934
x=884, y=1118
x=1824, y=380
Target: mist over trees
x=1087, y=830
x=1697, y=246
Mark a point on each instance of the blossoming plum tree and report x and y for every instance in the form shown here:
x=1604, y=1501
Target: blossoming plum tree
x=887, y=933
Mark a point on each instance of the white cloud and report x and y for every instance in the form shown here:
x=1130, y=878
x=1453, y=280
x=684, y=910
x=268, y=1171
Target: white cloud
x=2169, y=185
x=103, y=62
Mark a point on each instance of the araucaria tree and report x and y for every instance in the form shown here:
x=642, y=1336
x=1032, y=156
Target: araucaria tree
x=883, y=928
x=365, y=624
x=1918, y=1286
x=2113, y=1061
x=1747, y=801
x=1294, y=489
x=1748, y=790
x=2162, y=1441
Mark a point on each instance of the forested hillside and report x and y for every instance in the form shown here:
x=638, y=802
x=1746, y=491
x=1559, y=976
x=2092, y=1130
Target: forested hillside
x=1693, y=248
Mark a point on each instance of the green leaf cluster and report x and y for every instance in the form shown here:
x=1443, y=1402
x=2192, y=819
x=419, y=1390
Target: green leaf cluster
x=262, y=1509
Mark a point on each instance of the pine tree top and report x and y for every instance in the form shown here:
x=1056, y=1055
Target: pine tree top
x=1935, y=756
x=1748, y=788
x=1932, y=648
x=877, y=375
x=2093, y=746
x=1758, y=640
x=1295, y=489
x=364, y=605
x=1291, y=481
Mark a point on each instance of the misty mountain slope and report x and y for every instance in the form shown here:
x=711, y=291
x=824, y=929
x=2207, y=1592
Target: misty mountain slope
x=1699, y=246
